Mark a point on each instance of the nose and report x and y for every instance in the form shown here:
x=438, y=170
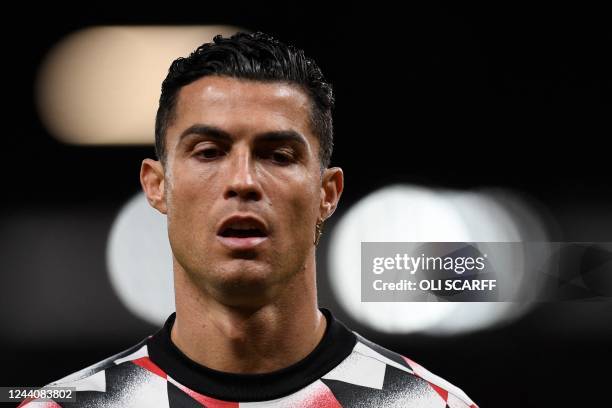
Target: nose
x=242, y=181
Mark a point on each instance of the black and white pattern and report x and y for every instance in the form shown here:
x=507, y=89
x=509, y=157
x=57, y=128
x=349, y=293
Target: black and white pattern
x=368, y=376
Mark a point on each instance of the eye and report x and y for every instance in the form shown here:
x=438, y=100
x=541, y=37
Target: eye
x=282, y=157
x=210, y=152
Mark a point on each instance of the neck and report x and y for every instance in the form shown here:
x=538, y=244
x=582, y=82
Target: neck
x=260, y=338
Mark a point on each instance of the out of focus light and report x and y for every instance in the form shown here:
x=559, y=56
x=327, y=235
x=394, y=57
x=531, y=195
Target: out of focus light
x=404, y=213
x=101, y=85
x=140, y=262
x=140, y=267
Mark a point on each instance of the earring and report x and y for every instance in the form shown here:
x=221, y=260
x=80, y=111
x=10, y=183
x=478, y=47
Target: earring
x=318, y=230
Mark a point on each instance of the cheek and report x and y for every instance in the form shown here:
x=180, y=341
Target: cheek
x=189, y=202
x=189, y=227
x=302, y=211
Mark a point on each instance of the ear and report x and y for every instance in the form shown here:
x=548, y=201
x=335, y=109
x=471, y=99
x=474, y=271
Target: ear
x=152, y=181
x=332, y=184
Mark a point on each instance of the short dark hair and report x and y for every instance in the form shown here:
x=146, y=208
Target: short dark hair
x=252, y=56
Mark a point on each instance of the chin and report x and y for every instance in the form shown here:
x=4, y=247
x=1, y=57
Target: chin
x=240, y=273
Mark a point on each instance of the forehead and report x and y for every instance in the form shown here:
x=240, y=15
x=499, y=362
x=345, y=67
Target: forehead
x=243, y=106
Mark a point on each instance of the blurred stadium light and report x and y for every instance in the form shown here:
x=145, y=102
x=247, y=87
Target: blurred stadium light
x=406, y=213
x=101, y=85
x=139, y=261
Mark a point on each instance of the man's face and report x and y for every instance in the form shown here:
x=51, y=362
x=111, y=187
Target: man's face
x=243, y=187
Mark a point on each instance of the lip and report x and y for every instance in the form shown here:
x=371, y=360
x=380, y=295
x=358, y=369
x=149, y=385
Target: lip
x=242, y=243
x=250, y=218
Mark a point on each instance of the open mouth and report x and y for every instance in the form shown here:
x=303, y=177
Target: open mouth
x=242, y=233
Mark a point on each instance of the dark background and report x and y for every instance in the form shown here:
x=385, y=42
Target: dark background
x=513, y=96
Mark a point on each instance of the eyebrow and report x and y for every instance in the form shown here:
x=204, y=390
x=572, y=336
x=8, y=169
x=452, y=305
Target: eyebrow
x=214, y=132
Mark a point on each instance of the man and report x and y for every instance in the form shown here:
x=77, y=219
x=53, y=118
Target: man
x=244, y=140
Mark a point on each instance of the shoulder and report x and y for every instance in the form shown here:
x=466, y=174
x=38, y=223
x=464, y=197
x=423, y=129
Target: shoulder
x=384, y=378
x=108, y=378
x=132, y=353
